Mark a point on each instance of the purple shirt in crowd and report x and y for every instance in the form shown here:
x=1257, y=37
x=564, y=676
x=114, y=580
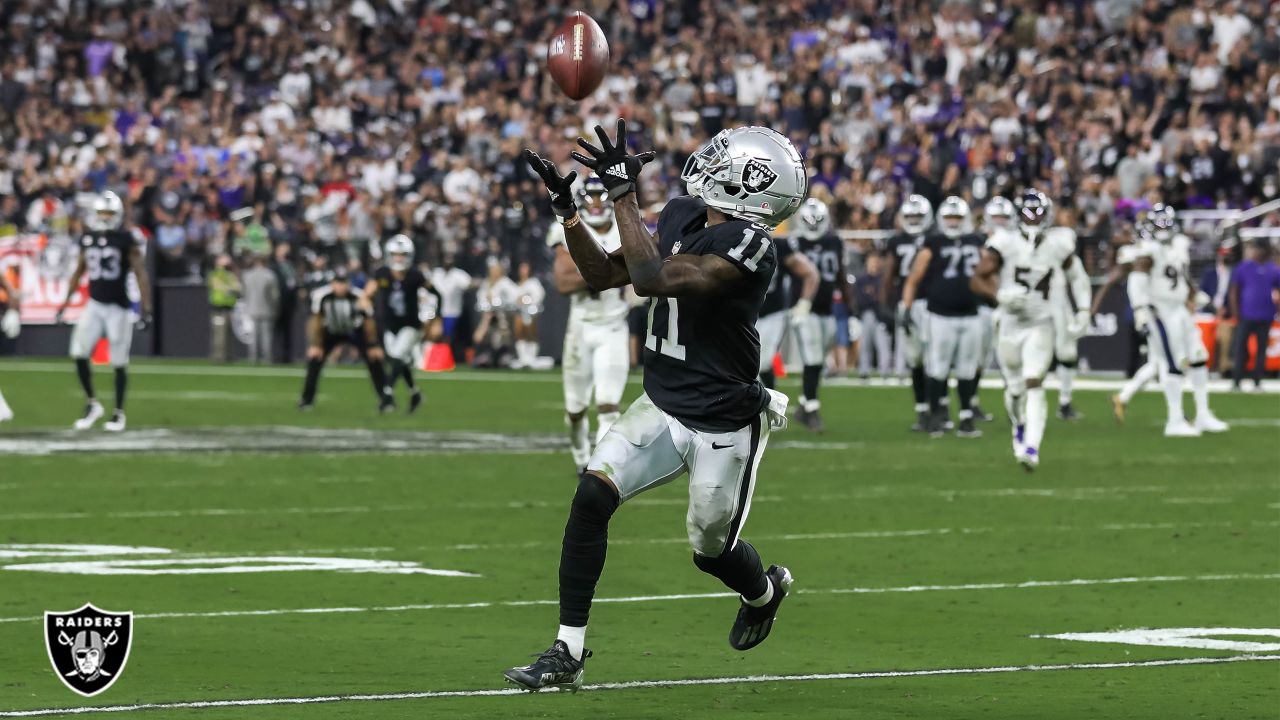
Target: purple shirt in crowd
x=1256, y=281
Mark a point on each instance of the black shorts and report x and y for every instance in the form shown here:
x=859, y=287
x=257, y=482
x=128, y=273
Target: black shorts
x=355, y=339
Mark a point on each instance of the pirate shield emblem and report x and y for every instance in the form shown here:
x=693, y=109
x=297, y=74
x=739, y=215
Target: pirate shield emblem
x=88, y=647
x=757, y=177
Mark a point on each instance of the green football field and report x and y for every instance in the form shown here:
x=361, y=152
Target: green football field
x=342, y=564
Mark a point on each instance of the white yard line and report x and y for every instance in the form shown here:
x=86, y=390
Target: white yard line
x=1112, y=383
x=1024, y=585
x=638, y=685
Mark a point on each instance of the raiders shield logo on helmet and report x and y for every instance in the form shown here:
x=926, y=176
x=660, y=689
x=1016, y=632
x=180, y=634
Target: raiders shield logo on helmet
x=757, y=176
x=88, y=647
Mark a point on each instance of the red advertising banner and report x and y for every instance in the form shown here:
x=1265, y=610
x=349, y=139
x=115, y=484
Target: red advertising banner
x=39, y=267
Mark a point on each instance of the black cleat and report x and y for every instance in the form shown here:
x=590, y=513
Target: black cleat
x=1066, y=412
x=811, y=420
x=940, y=424
x=981, y=416
x=968, y=429
x=922, y=422
x=753, y=624
x=388, y=405
x=415, y=400
x=554, y=668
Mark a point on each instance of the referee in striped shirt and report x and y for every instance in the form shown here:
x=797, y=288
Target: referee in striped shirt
x=341, y=316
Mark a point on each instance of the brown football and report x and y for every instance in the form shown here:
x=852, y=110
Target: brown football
x=578, y=55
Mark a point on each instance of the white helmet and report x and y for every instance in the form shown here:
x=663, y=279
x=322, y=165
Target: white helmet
x=399, y=250
x=953, y=217
x=752, y=173
x=813, y=220
x=1160, y=222
x=998, y=213
x=106, y=212
x=592, y=189
x=916, y=215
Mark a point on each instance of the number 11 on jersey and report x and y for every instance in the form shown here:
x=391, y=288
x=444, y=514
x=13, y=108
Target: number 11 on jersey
x=669, y=345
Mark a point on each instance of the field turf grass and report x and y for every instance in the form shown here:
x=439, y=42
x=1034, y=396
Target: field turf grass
x=909, y=554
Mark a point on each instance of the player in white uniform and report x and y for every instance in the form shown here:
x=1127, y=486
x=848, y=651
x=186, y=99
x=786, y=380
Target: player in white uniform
x=596, y=354
x=1070, y=323
x=10, y=326
x=1124, y=258
x=1016, y=270
x=998, y=214
x=1161, y=293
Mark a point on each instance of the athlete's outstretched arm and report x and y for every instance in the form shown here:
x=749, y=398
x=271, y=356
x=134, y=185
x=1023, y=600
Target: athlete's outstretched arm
x=984, y=282
x=800, y=266
x=600, y=270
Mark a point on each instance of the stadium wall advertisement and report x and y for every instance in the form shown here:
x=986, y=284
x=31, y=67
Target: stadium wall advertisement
x=39, y=267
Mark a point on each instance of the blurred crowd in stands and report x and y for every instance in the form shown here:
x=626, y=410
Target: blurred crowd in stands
x=307, y=131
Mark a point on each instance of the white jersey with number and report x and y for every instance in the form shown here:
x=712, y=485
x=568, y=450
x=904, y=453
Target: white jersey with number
x=1170, y=263
x=1058, y=297
x=601, y=308
x=1029, y=266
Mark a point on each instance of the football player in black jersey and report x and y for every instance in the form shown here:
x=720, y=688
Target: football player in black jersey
x=914, y=218
x=814, y=324
x=776, y=311
x=943, y=267
x=341, y=315
x=704, y=410
x=405, y=299
x=108, y=252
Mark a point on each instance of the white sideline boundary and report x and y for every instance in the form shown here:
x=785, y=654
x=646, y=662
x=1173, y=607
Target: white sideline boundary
x=637, y=685
x=1088, y=382
x=1024, y=585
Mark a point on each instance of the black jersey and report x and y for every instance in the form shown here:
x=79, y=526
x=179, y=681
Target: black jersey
x=702, y=354
x=106, y=263
x=780, y=286
x=827, y=253
x=902, y=249
x=951, y=266
x=399, y=301
x=341, y=315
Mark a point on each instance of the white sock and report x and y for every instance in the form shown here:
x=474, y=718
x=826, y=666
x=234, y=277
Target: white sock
x=579, y=442
x=1037, y=411
x=1173, y=397
x=1014, y=405
x=1144, y=375
x=922, y=407
x=1199, y=377
x=605, y=420
x=1065, y=376
x=574, y=637
x=5, y=410
x=763, y=599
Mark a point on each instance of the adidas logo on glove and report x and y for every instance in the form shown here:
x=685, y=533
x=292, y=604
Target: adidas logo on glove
x=618, y=171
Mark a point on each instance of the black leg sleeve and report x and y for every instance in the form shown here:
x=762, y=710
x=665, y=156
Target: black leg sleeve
x=812, y=375
x=313, y=379
x=378, y=374
x=407, y=371
x=918, y=384
x=937, y=394
x=122, y=384
x=739, y=569
x=586, y=538
x=967, y=390
x=86, y=376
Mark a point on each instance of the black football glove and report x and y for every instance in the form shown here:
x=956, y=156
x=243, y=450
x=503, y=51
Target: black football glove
x=615, y=168
x=560, y=187
x=145, y=321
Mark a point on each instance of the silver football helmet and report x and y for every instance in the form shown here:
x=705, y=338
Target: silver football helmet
x=1160, y=222
x=953, y=217
x=998, y=214
x=916, y=215
x=752, y=173
x=106, y=212
x=399, y=251
x=593, y=202
x=813, y=220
